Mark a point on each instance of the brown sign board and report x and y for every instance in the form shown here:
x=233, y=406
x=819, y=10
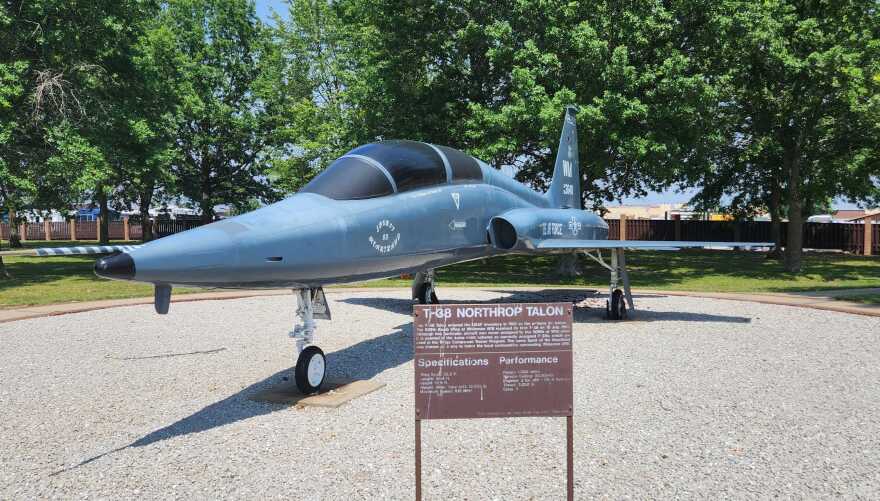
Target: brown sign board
x=493, y=360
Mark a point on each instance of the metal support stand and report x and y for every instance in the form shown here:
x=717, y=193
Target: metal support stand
x=418, y=459
x=569, y=456
x=303, y=334
x=624, y=275
x=615, y=270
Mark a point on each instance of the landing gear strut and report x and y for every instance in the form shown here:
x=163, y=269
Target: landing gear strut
x=311, y=364
x=423, y=288
x=619, y=300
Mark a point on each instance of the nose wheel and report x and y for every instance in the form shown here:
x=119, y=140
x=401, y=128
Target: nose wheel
x=311, y=366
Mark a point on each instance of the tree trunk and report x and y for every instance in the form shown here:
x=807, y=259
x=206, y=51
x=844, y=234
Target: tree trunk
x=568, y=266
x=795, y=235
x=144, y=200
x=105, y=217
x=14, y=237
x=3, y=273
x=207, y=209
x=775, y=222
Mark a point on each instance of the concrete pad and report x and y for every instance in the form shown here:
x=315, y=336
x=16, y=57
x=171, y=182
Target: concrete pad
x=334, y=394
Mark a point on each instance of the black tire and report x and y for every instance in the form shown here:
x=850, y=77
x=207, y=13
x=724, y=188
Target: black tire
x=616, y=308
x=424, y=297
x=306, y=382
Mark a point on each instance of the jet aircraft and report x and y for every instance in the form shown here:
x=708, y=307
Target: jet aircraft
x=382, y=210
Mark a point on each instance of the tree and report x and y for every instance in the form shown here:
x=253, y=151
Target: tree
x=62, y=66
x=222, y=135
x=800, y=101
x=309, y=82
x=151, y=118
x=493, y=78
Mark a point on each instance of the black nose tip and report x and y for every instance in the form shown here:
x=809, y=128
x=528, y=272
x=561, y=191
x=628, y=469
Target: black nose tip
x=120, y=266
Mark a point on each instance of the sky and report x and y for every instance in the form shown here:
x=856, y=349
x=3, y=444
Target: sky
x=265, y=7
x=264, y=11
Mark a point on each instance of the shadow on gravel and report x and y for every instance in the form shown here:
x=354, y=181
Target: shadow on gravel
x=363, y=360
x=591, y=313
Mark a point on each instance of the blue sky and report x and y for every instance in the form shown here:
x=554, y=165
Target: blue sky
x=264, y=10
x=265, y=7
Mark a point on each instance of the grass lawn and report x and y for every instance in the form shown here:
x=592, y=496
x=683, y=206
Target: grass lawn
x=686, y=270
x=49, y=280
x=867, y=298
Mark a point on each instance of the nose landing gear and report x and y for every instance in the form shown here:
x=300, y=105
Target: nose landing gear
x=311, y=364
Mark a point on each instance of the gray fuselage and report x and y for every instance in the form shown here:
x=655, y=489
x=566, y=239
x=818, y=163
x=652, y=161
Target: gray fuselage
x=309, y=240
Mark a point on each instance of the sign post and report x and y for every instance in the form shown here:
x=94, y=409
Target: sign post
x=495, y=360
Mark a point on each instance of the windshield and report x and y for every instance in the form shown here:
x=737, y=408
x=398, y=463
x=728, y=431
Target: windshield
x=411, y=164
x=350, y=178
x=388, y=167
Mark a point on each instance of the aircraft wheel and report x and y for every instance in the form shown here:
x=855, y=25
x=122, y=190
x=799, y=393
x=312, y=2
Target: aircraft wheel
x=616, y=308
x=311, y=366
x=427, y=295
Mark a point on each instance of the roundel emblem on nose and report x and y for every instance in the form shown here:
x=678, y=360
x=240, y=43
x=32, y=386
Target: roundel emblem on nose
x=385, y=237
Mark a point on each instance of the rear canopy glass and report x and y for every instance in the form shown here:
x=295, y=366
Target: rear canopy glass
x=412, y=165
x=464, y=167
x=350, y=179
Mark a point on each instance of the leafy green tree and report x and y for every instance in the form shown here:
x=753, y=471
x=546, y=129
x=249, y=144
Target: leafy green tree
x=493, y=78
x=799, y=105
x=309, y=80
x=222, y=134
x=151, y=118
x=63, y=64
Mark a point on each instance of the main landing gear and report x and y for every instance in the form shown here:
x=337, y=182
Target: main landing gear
x=311, y=364
x=423, y=288
x=619, y=300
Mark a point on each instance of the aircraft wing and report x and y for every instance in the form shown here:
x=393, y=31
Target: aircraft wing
x=640, y=244
x=69, y=251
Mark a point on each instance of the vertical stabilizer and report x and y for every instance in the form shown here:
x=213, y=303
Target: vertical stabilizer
x=565, y=188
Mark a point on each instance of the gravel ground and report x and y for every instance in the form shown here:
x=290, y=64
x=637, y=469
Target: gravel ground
x=696, y=398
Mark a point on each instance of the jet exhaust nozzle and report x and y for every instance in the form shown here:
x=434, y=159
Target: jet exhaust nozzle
x=117, y=266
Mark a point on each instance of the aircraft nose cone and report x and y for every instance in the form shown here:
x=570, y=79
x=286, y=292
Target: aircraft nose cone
x=118, y=266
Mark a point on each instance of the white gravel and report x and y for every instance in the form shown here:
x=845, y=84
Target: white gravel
x=697, y=398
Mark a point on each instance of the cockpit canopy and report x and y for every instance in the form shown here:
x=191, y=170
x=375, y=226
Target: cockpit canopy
x=388, y=167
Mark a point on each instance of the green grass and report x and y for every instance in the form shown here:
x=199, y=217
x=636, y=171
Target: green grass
x=686, y=270
x=51, y=280
x=866, y=298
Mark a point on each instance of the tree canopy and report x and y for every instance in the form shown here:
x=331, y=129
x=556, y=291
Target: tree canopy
x=764, y=106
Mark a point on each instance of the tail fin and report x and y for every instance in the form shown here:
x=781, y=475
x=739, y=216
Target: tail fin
x=565, y=188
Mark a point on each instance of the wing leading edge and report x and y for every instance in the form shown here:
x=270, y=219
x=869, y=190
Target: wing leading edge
x=641, y=244
x=70, y=251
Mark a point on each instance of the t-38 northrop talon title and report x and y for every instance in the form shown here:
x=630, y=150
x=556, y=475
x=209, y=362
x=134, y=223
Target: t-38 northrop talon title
x=380, y=210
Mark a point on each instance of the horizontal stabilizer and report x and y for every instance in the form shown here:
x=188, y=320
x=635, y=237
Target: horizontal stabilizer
x=70, y=251
x=641, y=244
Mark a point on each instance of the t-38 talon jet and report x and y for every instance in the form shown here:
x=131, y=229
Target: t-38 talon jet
x=382, y=210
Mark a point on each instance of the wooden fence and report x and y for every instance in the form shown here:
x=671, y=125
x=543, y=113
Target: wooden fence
x=848, y=237
x=88, y=230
